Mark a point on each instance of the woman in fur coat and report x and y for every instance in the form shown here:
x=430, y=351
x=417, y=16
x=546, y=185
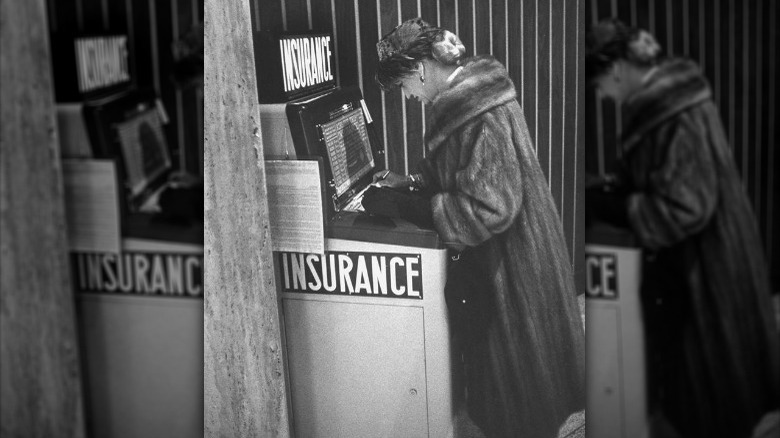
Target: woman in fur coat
x=510, y=292
x=712, y=345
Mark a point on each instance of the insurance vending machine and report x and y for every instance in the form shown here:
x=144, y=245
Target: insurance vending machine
x=138, y=279
x=367, y=346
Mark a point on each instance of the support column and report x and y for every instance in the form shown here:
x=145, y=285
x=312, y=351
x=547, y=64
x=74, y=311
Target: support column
x=40, y=381
x=244, y=392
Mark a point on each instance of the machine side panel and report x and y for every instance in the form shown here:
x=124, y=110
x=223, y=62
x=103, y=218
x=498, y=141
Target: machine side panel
x=382, y=391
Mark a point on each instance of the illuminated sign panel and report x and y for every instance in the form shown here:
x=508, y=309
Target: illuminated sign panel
x=93, y=66
x=306, y=62
x=293, y=66
x=101, y=62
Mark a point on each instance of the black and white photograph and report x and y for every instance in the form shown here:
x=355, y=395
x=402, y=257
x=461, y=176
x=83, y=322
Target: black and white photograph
x=389, y=218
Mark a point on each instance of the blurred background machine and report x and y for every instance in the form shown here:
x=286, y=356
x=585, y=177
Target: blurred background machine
x=129, y=97
x=616, y=401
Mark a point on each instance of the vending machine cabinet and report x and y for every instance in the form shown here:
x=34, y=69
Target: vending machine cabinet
x=367, y=340
x=140, y=314
x=367, y=346
x=616, y=395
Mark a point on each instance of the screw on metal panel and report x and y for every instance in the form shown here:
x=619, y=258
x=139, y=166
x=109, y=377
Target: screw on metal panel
x=412, y=391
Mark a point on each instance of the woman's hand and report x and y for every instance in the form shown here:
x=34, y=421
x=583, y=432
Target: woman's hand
x=386, y=178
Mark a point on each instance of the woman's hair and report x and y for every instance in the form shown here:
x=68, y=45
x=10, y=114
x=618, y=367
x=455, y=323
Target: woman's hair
x=409, y=43
x=611, y=40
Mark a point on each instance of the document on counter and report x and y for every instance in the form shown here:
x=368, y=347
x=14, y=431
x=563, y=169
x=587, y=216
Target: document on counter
x=295, y=205
x=92, y=205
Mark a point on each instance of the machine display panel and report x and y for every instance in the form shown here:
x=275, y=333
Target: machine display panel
x=144, y=149
x=349, y=149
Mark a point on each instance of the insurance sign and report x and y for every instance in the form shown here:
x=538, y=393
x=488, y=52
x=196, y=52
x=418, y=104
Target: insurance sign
x=387, y=275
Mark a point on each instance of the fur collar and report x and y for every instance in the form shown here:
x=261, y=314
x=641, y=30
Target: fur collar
x=676, y=86
x=482, y=85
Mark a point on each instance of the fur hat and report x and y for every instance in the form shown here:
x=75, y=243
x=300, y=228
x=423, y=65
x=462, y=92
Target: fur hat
x=409, y=43
x=611, y=40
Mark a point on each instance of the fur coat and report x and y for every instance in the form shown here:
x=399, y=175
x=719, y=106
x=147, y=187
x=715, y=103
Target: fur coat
x=511, y=294
x=712, y=343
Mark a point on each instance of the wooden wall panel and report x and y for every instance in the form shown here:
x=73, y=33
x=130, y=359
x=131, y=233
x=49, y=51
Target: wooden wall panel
x=413, y=109
x=92, y=16
x=448, y=18
x=483, y=18
x=499, y=31
x=368, y=17
x=464, y=26
x=735, y=43
x=556, y=108
x=528, y=60
x=296, y=15
x=395, y=138
x=539, y=41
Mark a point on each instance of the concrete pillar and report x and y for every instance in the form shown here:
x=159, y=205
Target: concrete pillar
x=40, y=384
x=244, y=392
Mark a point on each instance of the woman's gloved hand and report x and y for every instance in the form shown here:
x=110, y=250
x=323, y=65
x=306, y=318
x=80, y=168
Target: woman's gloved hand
x=391, y=203
x=381, y=202
x=386, y=178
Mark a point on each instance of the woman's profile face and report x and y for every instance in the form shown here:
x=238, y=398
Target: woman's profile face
x=608, y=85
x=412, y=87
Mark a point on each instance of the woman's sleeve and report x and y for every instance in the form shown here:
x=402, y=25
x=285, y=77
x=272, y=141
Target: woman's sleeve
x=487, y=194
x=682, y=193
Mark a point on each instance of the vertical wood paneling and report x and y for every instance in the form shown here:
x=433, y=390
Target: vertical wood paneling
x=578, y=247
x=571, y=142
x=482, y=32
x=516, y=55
x=538, y=42
x=117, y=16
x=447, y=14
x=556, y=108
x=296, y=15
x=529, y=62
x=321, y=15
x=757, y=110
x=543, y=52
x=771, y=120
x=345, y=41
x=269, y=15
x=393, y=100
x=92, y=16
x=368, y=36
x=499, y=30
x=414, y=112
x=151, y=27
x=466, y=25
x=165, y=29
x=735, y=43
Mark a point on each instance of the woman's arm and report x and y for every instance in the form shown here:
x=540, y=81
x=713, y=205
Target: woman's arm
x=487, y=195
x=388, y=178
x=682, y=193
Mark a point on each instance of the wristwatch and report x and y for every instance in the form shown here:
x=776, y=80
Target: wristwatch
x=415, y=181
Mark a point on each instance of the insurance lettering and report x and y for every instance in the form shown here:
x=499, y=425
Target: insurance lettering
x=139, y=273
x=352, y=274
x=306, y=62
